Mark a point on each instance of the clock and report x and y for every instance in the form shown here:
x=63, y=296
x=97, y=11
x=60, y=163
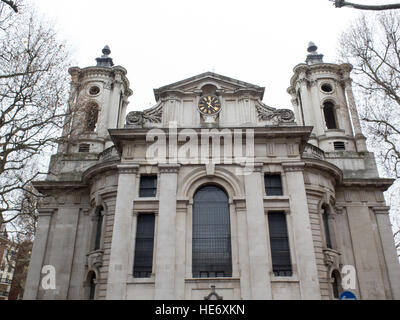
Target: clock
x=209, y=105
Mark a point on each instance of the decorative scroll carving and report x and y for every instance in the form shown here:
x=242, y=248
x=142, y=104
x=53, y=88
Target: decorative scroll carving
x=138, y=118
x=276, y=116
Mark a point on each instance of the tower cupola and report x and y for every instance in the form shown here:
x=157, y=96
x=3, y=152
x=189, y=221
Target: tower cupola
x=322, y=97
x=98, y=101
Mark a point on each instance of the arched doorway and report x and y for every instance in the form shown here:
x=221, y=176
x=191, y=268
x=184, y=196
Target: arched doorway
x=211, y=234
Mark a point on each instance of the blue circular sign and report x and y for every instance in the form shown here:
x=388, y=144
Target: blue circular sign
x=347, y=295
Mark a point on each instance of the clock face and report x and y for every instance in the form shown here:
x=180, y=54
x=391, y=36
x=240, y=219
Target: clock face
x=209, y=105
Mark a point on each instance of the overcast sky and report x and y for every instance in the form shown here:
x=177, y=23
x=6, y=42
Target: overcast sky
x=160, y=41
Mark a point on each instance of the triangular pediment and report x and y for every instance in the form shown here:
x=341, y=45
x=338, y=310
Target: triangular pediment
x=195, y=83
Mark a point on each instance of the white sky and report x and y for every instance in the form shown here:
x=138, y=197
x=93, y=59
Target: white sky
x=164, y=41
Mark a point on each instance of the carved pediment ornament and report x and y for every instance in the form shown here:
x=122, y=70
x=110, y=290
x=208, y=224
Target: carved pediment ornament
x=138, y=118
x=277, y=116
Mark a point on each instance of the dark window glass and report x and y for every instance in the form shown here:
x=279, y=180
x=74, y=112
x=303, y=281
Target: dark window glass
x=329, y=113
x=148, y=186
x=273, y=185
x=143, y=263
x=280, y=251
x=92, y=286
x=335, y=286
x=211, y=238
x=326, y=228
x=98, y=227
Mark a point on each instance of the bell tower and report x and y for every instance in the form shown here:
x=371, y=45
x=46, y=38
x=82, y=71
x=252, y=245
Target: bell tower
x=98, y=102
x=322, y=97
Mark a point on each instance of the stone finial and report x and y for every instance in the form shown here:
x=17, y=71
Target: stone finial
x=105, y=60
x=313, y=57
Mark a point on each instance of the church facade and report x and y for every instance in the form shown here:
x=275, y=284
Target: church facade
x=211, y=194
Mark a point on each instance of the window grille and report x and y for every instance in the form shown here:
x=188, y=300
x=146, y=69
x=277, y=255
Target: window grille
x=211, y=237
x=339, y=145
x=329, y=113
x=280, y=251
x=144, y=245
x=148, y=186
x=273, y=185
x=84, y=147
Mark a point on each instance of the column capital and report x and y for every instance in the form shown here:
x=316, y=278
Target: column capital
x=293, y=166
x=381, y=210
x=128, y=168
x=169, y=168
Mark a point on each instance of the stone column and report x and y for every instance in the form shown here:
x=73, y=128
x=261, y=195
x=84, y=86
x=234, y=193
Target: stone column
x=243, y=248
x=165, y=254
x=118, y=268
x=358, y=135
x=260, y=279
x=389, y=250
x=180, y=244
x=305, y=255
x=38, y=252
x=365, y=251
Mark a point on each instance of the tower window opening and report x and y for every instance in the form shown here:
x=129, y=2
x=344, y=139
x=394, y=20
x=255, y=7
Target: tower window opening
x=327, y=88
x=84, y=147
x=94, y=90
x=339, y=145
x=329, y=113
x=92, y=114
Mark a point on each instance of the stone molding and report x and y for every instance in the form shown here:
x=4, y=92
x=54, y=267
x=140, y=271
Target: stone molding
x=293, y=167
x=169, y=168
x=128, y=169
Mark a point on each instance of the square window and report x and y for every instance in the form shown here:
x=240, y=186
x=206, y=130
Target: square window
x=273, y=185
x=148, y=186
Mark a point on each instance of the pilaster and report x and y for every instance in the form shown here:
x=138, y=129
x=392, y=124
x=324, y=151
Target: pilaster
x=166, y=250
x=260, y=270
x=305, y=255
x=118, y=273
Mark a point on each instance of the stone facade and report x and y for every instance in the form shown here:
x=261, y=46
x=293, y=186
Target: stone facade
x=324, y=171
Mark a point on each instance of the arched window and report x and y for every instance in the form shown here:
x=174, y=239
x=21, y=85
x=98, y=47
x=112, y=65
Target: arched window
x=91, y=117
x=211, y=237
x=325, y=219
x=92, y=291
x=329, y=113
x=99, y=227
x=335, y=284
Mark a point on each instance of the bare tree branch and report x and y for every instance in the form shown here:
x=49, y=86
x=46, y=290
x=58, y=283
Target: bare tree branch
x=342, y=3
x=12, y=4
